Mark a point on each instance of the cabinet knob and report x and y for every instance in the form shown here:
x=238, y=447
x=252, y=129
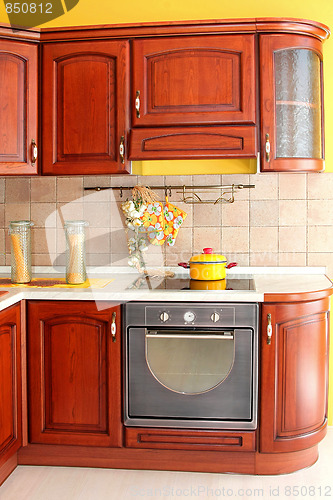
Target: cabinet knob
x=34, y=152
x=113, y=327
x=122, y=149
x=137, y=103
x=269, y=329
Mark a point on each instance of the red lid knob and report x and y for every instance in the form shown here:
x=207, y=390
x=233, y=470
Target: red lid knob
x=208, y=250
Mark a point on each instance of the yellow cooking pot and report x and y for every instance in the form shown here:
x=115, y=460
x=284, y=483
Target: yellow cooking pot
x=207, y=284
x=207, y=266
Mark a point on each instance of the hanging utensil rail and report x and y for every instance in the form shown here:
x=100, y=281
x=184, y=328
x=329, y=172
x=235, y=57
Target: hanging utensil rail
x=189, y=193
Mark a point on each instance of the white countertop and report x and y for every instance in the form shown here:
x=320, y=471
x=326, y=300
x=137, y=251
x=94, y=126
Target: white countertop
x=267, y=280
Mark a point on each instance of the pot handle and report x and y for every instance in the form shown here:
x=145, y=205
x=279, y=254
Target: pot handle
x=231, y=264
x=185, y=265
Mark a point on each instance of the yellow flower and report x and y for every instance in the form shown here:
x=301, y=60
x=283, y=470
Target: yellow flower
x=167, y=229
x=149, y=219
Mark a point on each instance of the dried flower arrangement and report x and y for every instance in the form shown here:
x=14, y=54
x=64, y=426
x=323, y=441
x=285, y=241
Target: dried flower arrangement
x=134, y=210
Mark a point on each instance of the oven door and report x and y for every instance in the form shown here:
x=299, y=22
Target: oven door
x=191, y=377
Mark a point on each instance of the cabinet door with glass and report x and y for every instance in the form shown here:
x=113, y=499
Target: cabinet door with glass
x=292, y=137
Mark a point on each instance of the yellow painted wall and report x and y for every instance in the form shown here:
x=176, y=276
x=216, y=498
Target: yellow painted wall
x=89, y=12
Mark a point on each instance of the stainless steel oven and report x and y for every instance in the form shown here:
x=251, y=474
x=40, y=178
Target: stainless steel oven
x=191, y=365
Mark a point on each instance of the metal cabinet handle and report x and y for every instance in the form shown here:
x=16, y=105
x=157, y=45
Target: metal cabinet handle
x=267, y=148
x=269, y=329
x=34, y=152
x=137, y=103
x=113, y=327
x=122, y=149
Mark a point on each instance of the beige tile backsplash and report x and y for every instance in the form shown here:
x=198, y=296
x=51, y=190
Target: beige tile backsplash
x=287, y=220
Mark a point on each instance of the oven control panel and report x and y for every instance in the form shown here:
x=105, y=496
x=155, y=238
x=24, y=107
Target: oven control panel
x=191, y=314
x=197, y=316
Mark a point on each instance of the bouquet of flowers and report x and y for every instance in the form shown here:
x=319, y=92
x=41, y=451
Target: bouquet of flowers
x=134, y=210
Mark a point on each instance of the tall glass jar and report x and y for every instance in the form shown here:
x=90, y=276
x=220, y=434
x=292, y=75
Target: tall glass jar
x=75, y=251
x=20, y=239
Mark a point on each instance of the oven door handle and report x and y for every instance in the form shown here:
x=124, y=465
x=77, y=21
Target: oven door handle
x=228, y=336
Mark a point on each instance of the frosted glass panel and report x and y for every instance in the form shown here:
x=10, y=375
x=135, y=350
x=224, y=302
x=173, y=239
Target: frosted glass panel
x=190, y=364
x=298, y=104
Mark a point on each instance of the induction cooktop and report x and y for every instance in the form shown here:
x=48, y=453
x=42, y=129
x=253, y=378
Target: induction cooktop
x=176, y=283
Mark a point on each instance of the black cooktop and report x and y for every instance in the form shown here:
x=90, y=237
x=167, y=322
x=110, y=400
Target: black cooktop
x=160, y=283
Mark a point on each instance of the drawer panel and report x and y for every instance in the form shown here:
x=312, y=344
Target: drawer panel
x=193, y=142
x=189, y=440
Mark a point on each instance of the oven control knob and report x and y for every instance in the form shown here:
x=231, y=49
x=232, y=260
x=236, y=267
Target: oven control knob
x=189, y=316
x=164, y=316
x=215, y=317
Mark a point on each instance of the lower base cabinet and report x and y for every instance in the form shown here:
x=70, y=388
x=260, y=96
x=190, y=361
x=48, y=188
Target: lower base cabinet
x=10, y=388
x=294, y=375
x=74, y=373
x=74, y=395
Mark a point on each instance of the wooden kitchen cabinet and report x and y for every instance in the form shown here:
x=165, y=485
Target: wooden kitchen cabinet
x=74, y=373
x=10, y=389
x=183, y=84
x=294, y=376
x=292, y=135
x=85, y=107
x=194, y=95
x=18, y=108
x=194, y=80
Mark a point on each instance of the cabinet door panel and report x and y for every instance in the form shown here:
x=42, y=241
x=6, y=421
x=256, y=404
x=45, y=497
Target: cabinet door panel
x=194, y=80
x=302, y=378
x=74, y=374
x=291, y=103
x=294, y=376
x=10, y=383
x=85, y=115
x=72, y=401
x=86, y=85
x=18, y=107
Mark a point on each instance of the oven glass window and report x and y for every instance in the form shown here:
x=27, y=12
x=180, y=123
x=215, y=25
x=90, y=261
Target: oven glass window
x=190, y=362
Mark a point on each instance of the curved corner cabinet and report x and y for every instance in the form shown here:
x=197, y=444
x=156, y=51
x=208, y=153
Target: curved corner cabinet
x=291, y=81
x=294, y=376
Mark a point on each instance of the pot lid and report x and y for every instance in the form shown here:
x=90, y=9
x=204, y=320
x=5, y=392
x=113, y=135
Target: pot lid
x=208, y=257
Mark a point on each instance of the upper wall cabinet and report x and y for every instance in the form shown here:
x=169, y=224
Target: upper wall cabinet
x=85, y=115
x=292, y=137
x=18, y=108
x=193, y=81
x=161, y=91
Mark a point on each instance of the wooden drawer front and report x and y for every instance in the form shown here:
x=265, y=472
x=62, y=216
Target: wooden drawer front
x=193, y=142
x=194, y=80
x=189, y=440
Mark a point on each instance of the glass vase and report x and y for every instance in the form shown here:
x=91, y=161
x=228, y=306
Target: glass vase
x=75, y=251
x=20, y=240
